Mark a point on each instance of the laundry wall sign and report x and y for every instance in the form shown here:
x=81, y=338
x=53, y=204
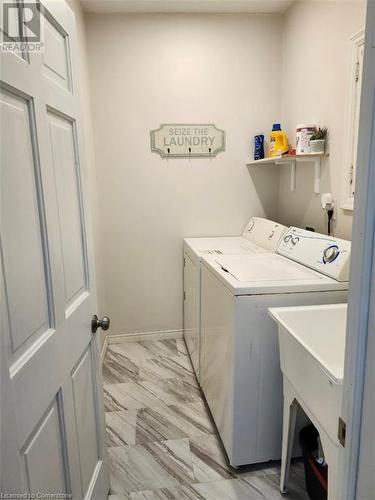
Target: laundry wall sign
x=180, y=140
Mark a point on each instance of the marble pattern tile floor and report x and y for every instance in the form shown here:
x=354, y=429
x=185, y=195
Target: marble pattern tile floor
x=162, y=444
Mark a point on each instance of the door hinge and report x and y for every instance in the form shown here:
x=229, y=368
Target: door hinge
x=357, y=71
x=184, y=295
x=342, y=432
x=184, y=262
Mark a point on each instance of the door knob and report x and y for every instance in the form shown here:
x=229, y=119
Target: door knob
x=103, y=323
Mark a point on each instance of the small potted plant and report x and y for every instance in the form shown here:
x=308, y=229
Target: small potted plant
x=318, y=140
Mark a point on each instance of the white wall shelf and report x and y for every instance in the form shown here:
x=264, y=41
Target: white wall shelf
x=292, y=160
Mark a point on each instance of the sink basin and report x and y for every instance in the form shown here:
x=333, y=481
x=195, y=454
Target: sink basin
x=312, y=352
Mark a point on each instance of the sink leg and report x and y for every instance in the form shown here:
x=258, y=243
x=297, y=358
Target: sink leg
x=332, y=482
x=289, y=423
x=331, y=453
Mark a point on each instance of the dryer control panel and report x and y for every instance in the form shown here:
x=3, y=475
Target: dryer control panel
x=264, y=232
x=325, y=254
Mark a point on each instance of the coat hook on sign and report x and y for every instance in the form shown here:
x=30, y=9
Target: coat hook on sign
x=209, y=150
x=189, y=150
x=168, y=150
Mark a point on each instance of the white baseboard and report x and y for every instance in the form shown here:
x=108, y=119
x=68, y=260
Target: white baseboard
x=138, y=337
x=104, y=349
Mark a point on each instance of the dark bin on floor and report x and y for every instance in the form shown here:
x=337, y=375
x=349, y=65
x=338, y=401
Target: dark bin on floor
x=315, y=474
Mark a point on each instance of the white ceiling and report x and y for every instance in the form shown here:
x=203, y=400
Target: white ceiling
x=154, y=6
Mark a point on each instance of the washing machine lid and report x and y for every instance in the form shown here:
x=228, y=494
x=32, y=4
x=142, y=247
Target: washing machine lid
x=264, y=232
x=268, y=273
x=265, y=269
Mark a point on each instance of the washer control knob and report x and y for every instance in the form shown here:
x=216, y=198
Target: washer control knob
x=330, y=254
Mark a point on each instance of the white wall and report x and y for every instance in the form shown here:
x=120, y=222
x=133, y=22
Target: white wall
x=85, y=104
x=316, y=71
x=87, y=127
x=150, y=69
x=242, y=72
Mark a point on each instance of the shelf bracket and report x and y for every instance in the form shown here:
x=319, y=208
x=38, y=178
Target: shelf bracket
x=292, y=161
x=293, y=175
x=317, y=176
x=292, y=164
x=317, y=171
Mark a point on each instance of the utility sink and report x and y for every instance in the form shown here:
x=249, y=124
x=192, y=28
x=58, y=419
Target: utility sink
x=312, y=351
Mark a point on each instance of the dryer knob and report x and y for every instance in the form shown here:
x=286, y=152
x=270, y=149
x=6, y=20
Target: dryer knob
x=272, y=234
x=250, y=228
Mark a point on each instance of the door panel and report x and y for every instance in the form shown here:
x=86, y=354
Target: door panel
x=44, y=457
x=53, y=422
x=67, y=178
x=26, y=273
x=56, y=60
x=85, y=413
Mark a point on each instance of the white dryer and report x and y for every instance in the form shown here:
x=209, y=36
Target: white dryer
x=240, y=368
x=260, y=235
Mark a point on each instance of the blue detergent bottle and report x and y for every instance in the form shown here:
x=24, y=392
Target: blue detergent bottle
x=259, y=147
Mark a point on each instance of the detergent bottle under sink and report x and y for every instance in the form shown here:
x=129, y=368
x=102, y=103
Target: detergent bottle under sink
x=278, y=141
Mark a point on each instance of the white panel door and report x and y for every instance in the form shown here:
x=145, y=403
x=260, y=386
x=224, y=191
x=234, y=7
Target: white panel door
x=52, y=426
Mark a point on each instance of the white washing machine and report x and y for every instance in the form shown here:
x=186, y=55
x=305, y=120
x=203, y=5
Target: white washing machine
x=240, y=368
x=259, y=235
